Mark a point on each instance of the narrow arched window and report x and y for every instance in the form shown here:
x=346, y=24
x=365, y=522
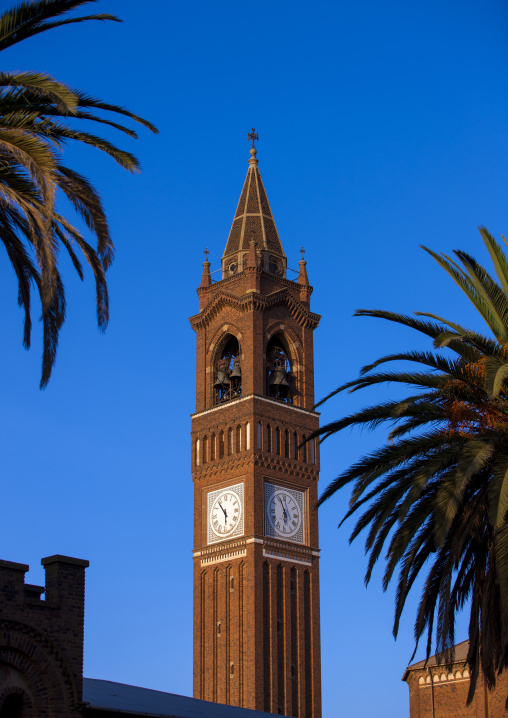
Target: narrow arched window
x=230, y=441
x=313, y=452
x=277, y=441
x=238, y=438
x=286, y=444
x=295, y=446
x=221, y=445
x=196, y=458
x=227, y=371
x=260, y=436
x=205, y=449
x=268, y=446
x=304, y=449
x=247, y=436
x=213, y=447
x=278, y=370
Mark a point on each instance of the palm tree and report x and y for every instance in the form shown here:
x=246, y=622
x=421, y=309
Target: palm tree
x=434, y=498
x=37, y=118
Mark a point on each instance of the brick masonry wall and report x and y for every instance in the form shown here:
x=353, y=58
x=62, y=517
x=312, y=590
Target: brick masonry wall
x=450, y=694
x=256, y=598
x=41, y=641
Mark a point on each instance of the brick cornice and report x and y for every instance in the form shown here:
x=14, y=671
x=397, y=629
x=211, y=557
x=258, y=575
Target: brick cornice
x=291, y=467
x=267, y=399
x=238, y=464
x=257, y=303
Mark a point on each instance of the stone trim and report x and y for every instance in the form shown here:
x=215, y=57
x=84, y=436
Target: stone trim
x=286, y=556
x=256, y=396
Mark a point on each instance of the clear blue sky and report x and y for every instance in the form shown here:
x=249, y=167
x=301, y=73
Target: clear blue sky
x=382, y=126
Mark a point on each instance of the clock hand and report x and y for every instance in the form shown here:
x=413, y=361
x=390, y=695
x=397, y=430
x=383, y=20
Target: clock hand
x=225, y=513
x=283, y=509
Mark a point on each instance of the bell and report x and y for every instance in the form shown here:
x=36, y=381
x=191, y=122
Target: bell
x=277, y=377
x=221, y=381
x=237, y=371
x=285, y=382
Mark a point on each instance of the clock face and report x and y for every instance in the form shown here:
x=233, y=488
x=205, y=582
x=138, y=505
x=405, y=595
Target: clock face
x=225, y=513
x=275, y=265
x=284, y=513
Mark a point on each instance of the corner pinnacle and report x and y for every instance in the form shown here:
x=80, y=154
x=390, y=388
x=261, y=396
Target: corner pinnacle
x=206, y=279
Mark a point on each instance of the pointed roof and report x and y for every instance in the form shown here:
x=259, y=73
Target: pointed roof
x=253, y=219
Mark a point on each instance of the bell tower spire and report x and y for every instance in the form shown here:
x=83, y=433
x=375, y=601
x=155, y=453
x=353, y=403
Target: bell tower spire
x=253, y=221
x=256, y=545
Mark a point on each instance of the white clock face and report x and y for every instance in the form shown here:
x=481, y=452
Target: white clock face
x=284, y=513
x=225, y=513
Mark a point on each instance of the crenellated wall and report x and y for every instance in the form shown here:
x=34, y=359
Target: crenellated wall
x=41, y=640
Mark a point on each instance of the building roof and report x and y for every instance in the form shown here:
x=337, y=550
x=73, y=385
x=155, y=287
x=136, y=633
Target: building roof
x=253, y=219
x=122, y=698
x=439, y=659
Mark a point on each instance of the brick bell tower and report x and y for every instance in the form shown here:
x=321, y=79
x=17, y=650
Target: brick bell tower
x=256, y=555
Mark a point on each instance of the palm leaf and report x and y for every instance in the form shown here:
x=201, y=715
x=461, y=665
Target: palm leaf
x=434, y=499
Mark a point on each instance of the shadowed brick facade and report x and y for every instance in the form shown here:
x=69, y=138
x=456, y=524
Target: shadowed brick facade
x=41, y=642
x=256, y=596
x=437, y=690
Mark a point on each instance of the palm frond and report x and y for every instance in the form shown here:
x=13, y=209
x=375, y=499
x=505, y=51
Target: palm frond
x=33, y=17
x=39, y=116
x=433, y=497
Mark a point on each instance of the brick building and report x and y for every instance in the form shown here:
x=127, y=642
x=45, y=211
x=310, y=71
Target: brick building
x=41, y=641
x=437, y=690
x=256, y=550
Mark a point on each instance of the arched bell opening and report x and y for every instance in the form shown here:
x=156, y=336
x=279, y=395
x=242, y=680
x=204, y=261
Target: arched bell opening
x=227, y=372
x=279, y=377
x=12, y=706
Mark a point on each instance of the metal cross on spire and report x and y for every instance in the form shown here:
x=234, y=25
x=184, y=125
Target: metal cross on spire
x=302, y=250
x=253, y=136
x=206, y=253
